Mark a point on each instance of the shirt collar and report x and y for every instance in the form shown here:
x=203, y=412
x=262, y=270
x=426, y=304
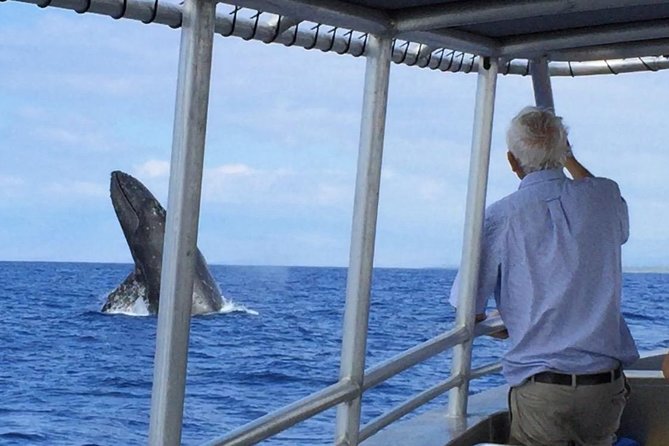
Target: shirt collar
x=542, y=175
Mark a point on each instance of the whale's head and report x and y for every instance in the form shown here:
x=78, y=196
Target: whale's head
x=142, y=219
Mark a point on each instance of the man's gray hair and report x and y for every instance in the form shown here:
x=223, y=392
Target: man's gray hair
x=538, y=139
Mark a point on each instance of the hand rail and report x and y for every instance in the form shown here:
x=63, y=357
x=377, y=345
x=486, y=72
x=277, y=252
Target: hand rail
x=489, y=326
x=280, y=420
x=399, y=363
x=408, y=406
x=494, y=367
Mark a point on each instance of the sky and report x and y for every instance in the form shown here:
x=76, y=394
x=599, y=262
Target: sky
x=83, y=95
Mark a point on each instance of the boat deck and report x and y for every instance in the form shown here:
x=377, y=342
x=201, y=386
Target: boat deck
x=644, y=420
x=487, y=421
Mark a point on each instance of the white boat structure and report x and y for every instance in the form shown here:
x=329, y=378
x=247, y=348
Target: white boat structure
x=540, y=38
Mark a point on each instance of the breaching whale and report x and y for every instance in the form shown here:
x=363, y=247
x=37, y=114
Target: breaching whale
x=142, y=219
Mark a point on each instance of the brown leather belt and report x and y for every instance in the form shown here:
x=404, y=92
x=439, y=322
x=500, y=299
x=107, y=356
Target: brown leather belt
x=577, y=380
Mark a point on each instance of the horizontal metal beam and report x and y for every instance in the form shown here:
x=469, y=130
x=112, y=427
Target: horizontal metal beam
x=341, y=14
x=407, y=359
x=279, y=25
x=454, y=39
x=330, y=12
x=399, y=363
x=275, y=422
x=646, y=48
x=574, y=69
x=646, y=375
x=591, y=68
x=383, y=371
x=473, y=12
x=533, y=45
x=408, y=406
x=488, y=369
x=143, y=10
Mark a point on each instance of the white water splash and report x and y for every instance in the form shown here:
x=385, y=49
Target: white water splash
x=140, y=308
x=231, y=307
x=136, y=308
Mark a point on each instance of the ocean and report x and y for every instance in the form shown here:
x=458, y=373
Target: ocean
x=71, y=375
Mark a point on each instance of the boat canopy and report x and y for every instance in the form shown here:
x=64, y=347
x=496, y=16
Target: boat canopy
x=576, y=37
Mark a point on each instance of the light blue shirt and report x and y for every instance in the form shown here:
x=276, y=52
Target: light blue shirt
x=551, y=256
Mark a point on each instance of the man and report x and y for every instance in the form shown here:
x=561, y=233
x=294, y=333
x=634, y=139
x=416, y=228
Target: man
x=551, y=256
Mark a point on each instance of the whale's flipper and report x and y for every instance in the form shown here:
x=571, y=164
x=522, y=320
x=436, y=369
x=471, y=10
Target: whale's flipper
x=142, y=219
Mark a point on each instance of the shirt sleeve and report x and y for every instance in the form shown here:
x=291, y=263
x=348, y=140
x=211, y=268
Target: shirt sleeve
x=611, y=191
x=622, y=212
x=488, y=269
x=624, y=220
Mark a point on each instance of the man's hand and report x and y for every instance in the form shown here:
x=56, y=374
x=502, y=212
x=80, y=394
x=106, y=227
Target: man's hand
x=503, y=334
x=575, y=168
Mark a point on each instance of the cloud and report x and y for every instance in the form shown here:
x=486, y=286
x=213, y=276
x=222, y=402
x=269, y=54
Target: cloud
x=153, y=169
x=67, y=136
x=59, y=55
x=292, y=124
x=406, y=194
x=51, y=126
x=243, y=184
x=109, y=84
x=11, y=186
x=9, y=181
x=234, y=169
x=75, y=189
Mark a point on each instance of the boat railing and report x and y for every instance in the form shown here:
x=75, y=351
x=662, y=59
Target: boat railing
x=346, y=391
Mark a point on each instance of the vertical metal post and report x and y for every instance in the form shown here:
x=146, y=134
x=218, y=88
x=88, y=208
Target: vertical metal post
x=363, y=233
x=471, y=244
x=541, y=82
x=179, y=253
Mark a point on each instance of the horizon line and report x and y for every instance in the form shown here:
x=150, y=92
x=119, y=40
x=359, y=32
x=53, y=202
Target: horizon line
x=626, y=269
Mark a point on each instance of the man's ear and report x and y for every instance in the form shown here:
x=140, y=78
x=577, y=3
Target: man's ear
x=515, y=165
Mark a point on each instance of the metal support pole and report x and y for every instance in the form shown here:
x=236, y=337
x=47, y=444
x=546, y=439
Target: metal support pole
x=180, y=251
x=363, y=232
x=541, y=81
x=471, y=244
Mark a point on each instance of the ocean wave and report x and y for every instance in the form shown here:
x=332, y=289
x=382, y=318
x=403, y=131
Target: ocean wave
x=71, y=375
x=27, y=436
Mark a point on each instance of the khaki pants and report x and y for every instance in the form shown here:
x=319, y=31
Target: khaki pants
x=562, y=415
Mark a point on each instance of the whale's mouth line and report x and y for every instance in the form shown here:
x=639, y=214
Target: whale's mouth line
x=125, y=195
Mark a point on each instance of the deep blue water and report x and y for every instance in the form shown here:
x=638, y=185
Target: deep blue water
x=70, y=375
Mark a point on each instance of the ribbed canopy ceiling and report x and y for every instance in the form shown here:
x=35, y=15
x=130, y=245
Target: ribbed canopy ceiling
x=560, y=30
